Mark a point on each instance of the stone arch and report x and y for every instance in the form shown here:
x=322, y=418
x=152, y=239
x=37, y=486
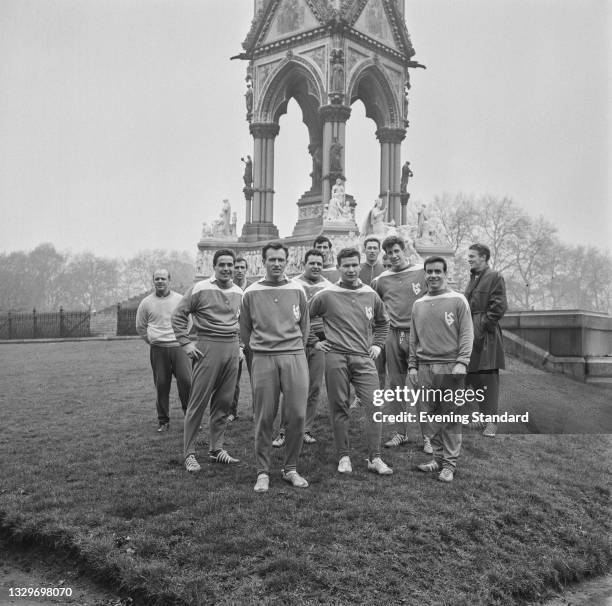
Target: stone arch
x=370, y=84
x=294, y=78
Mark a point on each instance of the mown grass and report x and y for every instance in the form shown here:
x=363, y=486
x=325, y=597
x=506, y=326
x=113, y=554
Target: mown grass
x=83, y=470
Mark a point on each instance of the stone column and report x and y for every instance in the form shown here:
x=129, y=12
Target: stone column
x=334, y=119
x=390, y=169
x=261, y=225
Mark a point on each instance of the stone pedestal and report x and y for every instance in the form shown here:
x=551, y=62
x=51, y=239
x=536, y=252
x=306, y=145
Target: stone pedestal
x=310, y=214
x=255, y=232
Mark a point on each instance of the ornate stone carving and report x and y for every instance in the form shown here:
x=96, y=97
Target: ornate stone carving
x=335, y=113
x=391, y=135
x=354, y=57
x=264, y=130
x=335, y=157
x=221, y=228
x=290, y=17
x=317, y=56
x=310, y=212
x=247, y=177
x=376, y=221
x=406, y=174
x=248, y=98
x=314, y=149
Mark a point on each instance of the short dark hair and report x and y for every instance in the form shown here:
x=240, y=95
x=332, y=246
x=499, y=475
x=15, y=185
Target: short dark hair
x=221, y=252
x=274, y=245
x=482, y=249
x=435, y=259
x=320, y=239
x=371, y=239
x=391, y=241
x=241, y=260
x=345, y=253
x=313, y=252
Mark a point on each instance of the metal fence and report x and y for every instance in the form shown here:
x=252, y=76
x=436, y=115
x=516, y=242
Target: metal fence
x=126, y=321
x=44, y=325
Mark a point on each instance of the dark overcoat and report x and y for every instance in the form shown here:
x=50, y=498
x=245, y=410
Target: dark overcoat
x=486, y=294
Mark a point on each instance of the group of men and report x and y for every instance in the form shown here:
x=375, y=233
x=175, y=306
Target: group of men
x=338, y=324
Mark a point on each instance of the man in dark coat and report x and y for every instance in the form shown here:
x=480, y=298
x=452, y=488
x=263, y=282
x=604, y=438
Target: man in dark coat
x=486, y=294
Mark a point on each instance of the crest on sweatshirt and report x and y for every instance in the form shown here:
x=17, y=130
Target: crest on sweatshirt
x=296, y=313
x=416, y=287
x=449, y=316
x=368, y=312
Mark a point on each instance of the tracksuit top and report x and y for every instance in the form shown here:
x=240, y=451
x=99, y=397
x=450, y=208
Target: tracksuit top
x=331, y=273
x=441, y=330
x=214, y=311
x=368, y=272
x=274, y=317
x=353, y=318
x=153, y=319
x=311, y=289
x=399, y=290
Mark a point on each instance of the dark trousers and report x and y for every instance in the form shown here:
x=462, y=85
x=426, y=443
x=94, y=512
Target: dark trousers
x=487, y=380
x=165, y=362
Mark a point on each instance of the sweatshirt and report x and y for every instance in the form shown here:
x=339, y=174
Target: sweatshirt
x=399, y=290
x=354, y=319
x=153, y=319
x=441, y=330
x=311, y=289
x=274, y=317
x=214, y=311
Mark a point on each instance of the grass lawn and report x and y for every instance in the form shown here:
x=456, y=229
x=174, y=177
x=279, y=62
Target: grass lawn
x=84, y=470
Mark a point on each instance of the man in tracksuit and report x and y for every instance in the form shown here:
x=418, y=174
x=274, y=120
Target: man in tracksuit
x=274, y=323
x=351, y=312
x=440, y=346
x=312, y=282
x=214, y=305
x=399, y=287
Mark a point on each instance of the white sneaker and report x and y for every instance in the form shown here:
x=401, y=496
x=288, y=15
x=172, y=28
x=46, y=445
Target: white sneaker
x=295, y=479
x=490, y=430
x=377, y=465
x=427, y=449
x=263, y=483
x=279, y=442
x=191, y=464
x=446, y=475
x=309, y=438
x=344, y=465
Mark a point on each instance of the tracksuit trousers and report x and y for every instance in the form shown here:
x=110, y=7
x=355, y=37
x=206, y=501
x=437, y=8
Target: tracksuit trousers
x=214, y=380
x=271, y=375
x=445, y=437
x=340, y=371
x=396, y=348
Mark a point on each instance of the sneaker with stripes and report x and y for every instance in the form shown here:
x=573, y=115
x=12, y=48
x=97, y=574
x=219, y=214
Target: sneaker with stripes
x=397, y=440
x=191, y=464
x=222, y=456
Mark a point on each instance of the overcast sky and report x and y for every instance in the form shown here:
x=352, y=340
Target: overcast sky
x=122, y=121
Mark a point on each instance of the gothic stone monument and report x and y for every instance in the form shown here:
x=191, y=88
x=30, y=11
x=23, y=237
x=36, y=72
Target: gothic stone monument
x=325, y=54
